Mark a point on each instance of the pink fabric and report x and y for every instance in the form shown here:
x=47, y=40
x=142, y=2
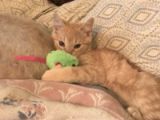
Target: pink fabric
x=68, y=93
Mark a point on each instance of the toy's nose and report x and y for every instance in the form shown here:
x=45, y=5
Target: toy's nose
x=58, y=66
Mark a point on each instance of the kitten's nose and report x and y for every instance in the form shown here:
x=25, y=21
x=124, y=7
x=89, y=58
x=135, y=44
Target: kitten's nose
x=75, y=54
x=69, y=51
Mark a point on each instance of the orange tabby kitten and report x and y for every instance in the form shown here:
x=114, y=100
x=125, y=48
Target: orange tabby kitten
x=107, y=68
x=72, y=38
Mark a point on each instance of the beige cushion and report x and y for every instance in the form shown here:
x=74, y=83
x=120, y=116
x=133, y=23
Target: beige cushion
x=29, y=8
x=15, y=7
x=42, y=11
x=72, y=11
x=131, y=27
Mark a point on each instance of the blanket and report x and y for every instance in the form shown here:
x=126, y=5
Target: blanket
x=41, y=100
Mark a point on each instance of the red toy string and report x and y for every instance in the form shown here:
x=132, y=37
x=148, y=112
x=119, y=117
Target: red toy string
x=31, y=58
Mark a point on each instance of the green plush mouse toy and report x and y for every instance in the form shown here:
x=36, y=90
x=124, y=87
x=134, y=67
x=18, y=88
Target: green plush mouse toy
x=62, y=58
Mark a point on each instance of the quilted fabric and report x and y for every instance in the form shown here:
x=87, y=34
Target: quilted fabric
x=131, y=27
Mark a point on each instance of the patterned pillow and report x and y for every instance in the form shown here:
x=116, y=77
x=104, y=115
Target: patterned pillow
x=29, y=8
x=131, y=27
x=15, y=7
x=72, y=11
x=42, y=11
x=39, y=8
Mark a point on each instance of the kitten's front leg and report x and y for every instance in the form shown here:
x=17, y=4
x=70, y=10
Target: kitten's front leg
x=70, y=74
x=59, y=75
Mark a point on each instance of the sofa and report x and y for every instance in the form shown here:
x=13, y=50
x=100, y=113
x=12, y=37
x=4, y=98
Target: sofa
x=130, y=27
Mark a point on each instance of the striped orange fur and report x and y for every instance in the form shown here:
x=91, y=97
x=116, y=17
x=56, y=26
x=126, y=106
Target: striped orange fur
x=138, y=89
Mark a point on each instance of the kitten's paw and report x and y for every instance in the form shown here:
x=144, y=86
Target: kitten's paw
x=135, y=113
x=48, y=75
x=58, y=75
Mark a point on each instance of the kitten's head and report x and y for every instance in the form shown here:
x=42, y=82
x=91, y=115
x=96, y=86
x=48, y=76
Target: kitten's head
x=73, y=38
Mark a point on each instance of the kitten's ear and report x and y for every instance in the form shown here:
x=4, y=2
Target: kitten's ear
x=58, y=23
x=87, y=28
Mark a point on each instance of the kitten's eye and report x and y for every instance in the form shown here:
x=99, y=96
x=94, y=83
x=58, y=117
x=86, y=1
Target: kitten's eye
x=77, y=46
x=61, y=43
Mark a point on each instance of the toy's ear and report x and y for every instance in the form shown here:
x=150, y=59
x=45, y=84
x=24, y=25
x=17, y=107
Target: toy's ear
x=87, y=28
x=58, y=23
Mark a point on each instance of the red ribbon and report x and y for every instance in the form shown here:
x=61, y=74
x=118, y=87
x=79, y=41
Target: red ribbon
x=31, y=58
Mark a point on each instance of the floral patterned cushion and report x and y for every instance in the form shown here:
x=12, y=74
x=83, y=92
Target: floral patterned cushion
x=26, y=99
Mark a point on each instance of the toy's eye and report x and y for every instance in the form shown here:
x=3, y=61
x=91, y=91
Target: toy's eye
x=77, y=46
x=73, y=65
x=61, y=43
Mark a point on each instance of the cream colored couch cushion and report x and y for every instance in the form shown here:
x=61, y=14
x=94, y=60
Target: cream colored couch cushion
x=131, y=27
x=42, y=11
x=29, y=8
x=72, y=11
